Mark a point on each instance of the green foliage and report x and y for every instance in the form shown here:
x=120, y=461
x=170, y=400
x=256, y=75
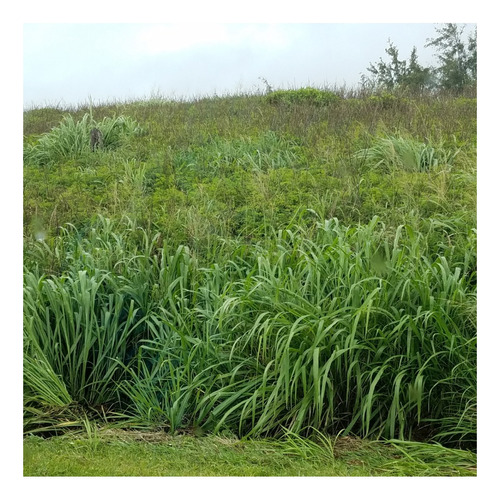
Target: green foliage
x=256, y=165
x=226, y=271
x=218, y=157
x=81, y=330
x=399, y=74
x=71, y=139
x=387, y=101
x=457, y=69
x=457, y=61
x=338, y=328
x=307, y=95
x=396, y=152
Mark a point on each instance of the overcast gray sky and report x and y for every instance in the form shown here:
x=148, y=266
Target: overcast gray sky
x=67, y=63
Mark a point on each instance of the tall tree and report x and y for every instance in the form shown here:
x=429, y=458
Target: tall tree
x=398, y=73
x=472, y=56
x=457, y=60
x=386, y=75
x=417, y=77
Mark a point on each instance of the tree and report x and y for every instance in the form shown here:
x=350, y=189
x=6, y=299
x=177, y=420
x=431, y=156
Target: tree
x=399, y=73
x=417, y=77
x=472, y=56
x=458, y=60
x=456, y=69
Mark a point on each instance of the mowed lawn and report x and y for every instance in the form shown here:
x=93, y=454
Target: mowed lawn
x=127, y=453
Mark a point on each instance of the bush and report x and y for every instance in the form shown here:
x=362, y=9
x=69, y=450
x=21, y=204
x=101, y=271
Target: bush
x=307, y=95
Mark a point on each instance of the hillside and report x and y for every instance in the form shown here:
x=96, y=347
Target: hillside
x=258, y=264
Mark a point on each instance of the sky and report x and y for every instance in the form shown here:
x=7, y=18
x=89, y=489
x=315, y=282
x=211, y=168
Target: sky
x=68, y=63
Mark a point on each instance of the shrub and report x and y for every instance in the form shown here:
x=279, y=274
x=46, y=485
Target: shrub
x=389, y=101
x=307, y=95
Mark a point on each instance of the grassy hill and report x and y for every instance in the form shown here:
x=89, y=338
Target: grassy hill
x=302, y=261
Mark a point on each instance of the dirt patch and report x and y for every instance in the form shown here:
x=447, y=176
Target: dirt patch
x=345, y=444
x=134, y=435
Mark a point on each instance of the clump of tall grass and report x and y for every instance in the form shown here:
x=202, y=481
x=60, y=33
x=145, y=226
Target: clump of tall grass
x=333, y=328
x=394, y=153
x=81, y=330
x=219, y=157
x=71, y=138
x=347, y=331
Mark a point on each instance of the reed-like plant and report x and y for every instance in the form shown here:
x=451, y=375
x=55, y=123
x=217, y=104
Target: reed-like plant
x=331, y=328
x=82, y=329
x=394, y=153
x=228, y=297
x=217, y=157
x=71, y=138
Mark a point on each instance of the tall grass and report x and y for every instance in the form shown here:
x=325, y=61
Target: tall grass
x=244, y=282
x=394, y=153
x=218, y=157
x=71, y=138
x=333, y=328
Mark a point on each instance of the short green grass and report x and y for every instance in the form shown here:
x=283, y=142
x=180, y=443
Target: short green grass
x=127, y=453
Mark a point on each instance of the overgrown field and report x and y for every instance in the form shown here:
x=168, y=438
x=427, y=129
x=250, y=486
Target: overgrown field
x=300, y=262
